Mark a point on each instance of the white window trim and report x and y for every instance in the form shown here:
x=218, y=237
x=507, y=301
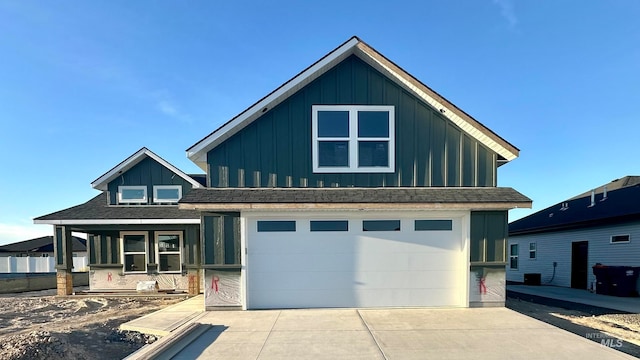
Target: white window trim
x=516, y=256
x=620, y=242
x=123, y=253
x=534, y=251
x=166, y=187
x=132, y=201
x=353, y=139
x=179, y=252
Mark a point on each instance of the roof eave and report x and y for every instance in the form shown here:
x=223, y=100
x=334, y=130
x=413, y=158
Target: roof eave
x=117, y=221
x=473, y=206
x=102, y=182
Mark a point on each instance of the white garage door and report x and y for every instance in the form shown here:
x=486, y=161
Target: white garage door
x=310, y=262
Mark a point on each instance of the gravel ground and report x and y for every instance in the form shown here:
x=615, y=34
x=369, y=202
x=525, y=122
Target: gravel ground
x=620, y=331
x=41, y=326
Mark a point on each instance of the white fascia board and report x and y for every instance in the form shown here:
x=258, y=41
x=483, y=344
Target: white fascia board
x=404, y=80
x=101, y=182
x=118, y=221
x=198, y=152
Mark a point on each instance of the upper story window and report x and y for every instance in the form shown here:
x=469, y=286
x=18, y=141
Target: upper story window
x=132, y=194
x=167, y=193
x=353, y=138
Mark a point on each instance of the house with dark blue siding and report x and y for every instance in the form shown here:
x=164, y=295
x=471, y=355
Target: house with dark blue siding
x=562, y=243
x=353, y=184
x=135, y=231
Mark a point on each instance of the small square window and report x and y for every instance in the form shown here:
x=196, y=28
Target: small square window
x=333, y=153
x=333, y=124
x=373, y=124
x=373, y=153
x=132, y=194
x=167, y=193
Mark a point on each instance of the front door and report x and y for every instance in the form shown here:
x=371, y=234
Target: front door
x=579, y=264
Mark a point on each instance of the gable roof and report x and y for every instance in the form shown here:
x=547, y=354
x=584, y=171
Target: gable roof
x=98, y=212
x=354, y=198
x=42, y=244
x=619, y=205
x=354, y=46
x=102, y=182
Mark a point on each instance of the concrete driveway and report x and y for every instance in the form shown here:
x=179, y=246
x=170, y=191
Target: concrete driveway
x=492, y=333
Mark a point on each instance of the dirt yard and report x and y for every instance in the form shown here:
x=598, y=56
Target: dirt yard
x=40, y=326
x=616, y=330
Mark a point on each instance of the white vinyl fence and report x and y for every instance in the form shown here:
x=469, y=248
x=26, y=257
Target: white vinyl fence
x=28, y=264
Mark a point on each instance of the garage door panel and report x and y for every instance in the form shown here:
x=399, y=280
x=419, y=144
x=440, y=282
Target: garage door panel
x=320, y=280
x=273, y=244
x=314, y=298
x=418, y=261
x=307, y=261
x=356, y=268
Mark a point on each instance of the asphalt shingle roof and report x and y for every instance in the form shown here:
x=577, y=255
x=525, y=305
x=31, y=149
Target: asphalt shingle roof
x=42, y=244
x=620, y=205
x=97, y=208
x=354, y=195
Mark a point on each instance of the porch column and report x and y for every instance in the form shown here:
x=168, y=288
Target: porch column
x=63, y=253
x=194, y=281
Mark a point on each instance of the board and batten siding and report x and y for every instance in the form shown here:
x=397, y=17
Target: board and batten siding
x=275, y=149
x=147, y=172
x=556, y=246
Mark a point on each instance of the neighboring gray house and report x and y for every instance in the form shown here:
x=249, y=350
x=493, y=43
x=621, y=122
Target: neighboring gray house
x=41, y=247
x=351, y=185
x=563, y=242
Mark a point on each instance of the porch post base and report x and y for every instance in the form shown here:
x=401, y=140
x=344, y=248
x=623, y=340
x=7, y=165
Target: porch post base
x=64, y=282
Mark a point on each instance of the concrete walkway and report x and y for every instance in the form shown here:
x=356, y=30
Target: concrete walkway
x=163, y=322
x=484, y=333
x=624, y=304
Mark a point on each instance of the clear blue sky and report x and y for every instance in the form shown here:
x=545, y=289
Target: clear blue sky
x=84, y=84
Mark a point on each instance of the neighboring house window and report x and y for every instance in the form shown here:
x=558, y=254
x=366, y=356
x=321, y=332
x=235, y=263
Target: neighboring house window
x=134, y=254
x=167, y=193
x=353, y=138
x=617, y=239
x=276, y=226
x=132, y=194
x=513, y=256
x=168, y=251
x=532, y=250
